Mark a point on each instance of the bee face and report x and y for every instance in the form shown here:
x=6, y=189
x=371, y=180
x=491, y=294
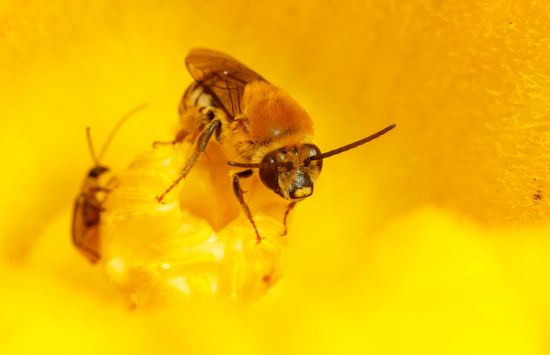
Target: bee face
x=288, y=172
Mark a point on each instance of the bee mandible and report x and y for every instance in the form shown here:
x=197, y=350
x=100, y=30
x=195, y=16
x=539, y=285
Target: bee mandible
x=89, y=202
x=257, y=126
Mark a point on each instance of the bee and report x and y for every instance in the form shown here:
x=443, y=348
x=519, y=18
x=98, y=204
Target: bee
x=89, y=202
x=257, y=126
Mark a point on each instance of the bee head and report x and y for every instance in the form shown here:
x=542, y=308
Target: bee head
x=289, y=172
x=97, y=171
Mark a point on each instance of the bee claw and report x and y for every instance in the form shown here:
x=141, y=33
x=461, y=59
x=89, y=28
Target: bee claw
x=180, y=136
x=157, y=144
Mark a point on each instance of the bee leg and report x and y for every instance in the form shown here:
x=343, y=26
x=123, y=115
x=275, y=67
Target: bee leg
x=100, y=189
x=206, y=115
x=287, y=212
x=180, y=136
x=200, y=146
x=105, y=190
x=239, y=194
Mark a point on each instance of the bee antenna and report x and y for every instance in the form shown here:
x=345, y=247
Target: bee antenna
x=351, y=145
x=243, y=165
x=114, y=131
x=91, y=146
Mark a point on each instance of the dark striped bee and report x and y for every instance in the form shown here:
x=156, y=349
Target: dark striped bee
x=256, y=124
x=89, y=203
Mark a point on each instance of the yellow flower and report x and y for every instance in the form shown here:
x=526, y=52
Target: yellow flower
x=195, y=244
x=432, y=239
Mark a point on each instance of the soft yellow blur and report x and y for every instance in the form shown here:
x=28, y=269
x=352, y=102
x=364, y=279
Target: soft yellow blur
x=431, y=240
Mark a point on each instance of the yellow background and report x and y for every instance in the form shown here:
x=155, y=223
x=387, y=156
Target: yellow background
x=430, y=240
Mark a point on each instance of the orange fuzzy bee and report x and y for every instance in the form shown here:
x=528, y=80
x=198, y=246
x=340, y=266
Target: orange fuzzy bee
x=89, y=203
x=257, y=125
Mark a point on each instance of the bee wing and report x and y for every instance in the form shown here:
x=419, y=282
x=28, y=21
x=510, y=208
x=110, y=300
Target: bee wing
x=222, y=76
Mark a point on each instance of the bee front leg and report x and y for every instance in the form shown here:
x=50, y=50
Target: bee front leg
x=200, y=146
x=239, y=194
x=180, y=136
x=287, y=212
x=201, y=116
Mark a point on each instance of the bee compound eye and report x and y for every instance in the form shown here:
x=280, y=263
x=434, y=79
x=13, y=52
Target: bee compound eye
x=269, y=173
x=310, y=152
x=313, y=150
